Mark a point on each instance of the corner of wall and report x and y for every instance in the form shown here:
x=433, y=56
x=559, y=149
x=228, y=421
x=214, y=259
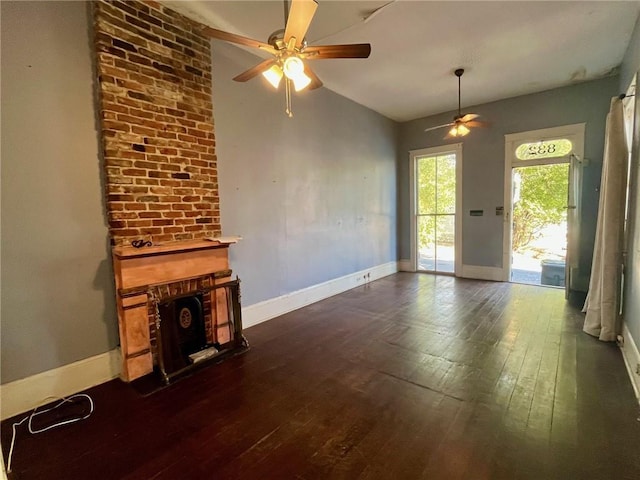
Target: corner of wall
x=631, y=357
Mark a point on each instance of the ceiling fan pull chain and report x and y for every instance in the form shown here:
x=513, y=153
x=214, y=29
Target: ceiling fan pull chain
x=287, y=90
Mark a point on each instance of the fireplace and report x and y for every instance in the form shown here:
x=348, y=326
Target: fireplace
x=177, y=305
x=161, y=185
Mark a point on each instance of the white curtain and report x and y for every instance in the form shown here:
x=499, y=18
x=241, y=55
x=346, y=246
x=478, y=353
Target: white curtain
x=603, y=300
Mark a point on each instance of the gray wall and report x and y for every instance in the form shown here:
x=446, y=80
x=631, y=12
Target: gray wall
x=57, y=288
x=631, y=307
x=314, y=196
x=483, y=161
x=631, y=60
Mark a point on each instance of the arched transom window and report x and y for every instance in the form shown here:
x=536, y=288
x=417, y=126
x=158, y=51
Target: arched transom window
x=560, y=147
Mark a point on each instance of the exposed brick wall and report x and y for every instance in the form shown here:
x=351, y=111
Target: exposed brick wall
x=154, y=72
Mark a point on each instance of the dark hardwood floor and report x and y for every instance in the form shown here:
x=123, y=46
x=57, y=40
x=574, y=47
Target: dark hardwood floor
x=411, y=377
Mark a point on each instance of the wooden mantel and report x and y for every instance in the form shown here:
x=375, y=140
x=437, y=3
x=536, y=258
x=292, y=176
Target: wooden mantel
x=129, y=251
x=137, y=269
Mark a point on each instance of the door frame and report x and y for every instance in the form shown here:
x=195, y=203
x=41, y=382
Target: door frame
x=455, y=148
x=574, y=133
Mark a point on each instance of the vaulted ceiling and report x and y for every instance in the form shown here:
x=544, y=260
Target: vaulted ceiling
x=507, y=48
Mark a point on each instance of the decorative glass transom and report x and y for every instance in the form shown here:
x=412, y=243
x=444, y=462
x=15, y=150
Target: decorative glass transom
x=560, y=147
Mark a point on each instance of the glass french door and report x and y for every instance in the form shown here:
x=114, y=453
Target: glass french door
x=436, y=197
x=543, y=188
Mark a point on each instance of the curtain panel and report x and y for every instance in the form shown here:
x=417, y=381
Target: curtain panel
x=602, y=305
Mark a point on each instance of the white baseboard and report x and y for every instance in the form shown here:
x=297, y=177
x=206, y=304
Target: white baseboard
x=482, y=273
x=405, y=266
x=274, y=307
x=28, y=393
x=631, y=357
x=468, y=271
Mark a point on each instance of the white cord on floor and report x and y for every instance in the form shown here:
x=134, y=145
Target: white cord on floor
x=35, y=413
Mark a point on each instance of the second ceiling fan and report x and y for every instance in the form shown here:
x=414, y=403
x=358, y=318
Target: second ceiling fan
x=461, y=123
x=290, y=51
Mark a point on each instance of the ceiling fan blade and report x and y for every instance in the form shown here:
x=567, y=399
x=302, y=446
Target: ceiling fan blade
x=476, y=123
x=239, y=39
x=256, y=70
x=439, y=126
x=315, y=81
x=300, y=16
x=354, y=50
x=468, y=117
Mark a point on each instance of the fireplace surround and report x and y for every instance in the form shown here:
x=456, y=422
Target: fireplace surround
x=148, y=279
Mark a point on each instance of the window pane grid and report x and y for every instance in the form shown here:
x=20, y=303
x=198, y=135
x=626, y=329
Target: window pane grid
x=435, y=212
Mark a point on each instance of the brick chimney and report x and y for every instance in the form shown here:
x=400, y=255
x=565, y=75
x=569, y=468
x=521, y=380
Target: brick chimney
x=154, y=72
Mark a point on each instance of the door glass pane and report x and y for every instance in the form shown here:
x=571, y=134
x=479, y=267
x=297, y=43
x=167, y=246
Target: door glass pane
x=426, y=176
x=426, y=242
x=446, y=184
x=435, y=212
x=445, y=242
x=539, y=228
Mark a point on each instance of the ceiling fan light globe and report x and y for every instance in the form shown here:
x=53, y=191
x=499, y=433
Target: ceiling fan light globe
x=273, y=76
x=301, y=82
x=463, y=130
x=454, y=132
x=293, y=67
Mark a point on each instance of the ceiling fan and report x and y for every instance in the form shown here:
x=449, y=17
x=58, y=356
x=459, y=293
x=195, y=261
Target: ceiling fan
x=461, y=123
x=290, y=51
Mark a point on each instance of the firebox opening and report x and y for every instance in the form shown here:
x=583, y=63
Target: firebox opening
x=182, y=331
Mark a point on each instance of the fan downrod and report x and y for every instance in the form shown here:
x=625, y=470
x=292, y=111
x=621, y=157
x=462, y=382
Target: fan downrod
x=458, y=74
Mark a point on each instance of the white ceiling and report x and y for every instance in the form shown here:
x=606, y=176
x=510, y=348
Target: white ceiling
x=507, y=48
